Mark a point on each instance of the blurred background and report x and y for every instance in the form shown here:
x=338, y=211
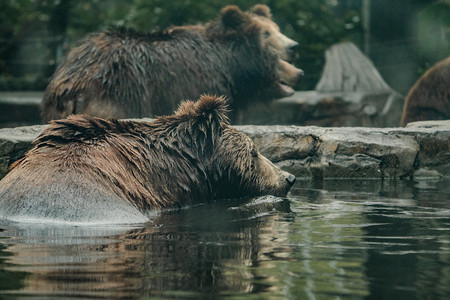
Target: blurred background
x=402, y=37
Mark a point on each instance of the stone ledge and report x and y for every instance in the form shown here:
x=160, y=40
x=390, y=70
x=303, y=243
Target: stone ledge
x=422, y=149
x=357, y=152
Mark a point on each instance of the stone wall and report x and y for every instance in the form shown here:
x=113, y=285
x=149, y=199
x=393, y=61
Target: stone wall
x=422, y=149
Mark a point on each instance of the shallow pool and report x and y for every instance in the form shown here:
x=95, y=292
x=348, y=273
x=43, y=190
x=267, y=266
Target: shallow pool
x=329, y=240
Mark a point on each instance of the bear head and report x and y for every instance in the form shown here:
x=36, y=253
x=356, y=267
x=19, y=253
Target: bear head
x=258, y=20
x=270, y=33
x=255, y=31
x=234, y=166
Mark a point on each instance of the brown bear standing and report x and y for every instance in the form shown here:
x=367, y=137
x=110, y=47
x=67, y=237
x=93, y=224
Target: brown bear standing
x=429, y=98
x=86, y=169
x=124, y=74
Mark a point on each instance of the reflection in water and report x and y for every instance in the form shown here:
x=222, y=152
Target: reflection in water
x=385, y=240
x=203, y=250
x=338, y=240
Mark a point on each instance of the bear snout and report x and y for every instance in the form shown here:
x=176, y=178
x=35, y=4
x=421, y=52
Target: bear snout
x=291, y=179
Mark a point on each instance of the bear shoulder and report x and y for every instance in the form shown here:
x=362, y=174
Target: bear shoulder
x=85, y=129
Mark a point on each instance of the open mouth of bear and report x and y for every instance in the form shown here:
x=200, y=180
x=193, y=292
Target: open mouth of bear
x=286, y=89
x=289, y=76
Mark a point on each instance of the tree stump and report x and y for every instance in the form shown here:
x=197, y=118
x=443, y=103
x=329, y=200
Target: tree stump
x=348, y=70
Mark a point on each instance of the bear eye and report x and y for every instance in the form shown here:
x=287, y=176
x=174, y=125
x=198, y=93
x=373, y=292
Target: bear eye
x=266, y=34
x=254, y=153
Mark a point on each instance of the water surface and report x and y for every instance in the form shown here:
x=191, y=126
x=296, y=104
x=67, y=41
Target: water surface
x=328, y=240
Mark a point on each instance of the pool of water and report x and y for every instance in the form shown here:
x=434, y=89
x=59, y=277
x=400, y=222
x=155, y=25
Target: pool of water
x=328, y=240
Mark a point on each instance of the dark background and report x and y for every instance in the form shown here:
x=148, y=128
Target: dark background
x=402, y=37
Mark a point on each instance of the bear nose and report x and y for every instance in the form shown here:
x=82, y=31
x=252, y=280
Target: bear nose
x=291, y=179
x=293, y=48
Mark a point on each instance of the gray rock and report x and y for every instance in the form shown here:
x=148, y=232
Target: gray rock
x=421, y=149
x=388, y=153
x=14, y=142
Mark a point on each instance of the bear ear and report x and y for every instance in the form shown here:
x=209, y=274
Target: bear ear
x=233, y=17
x=186, y=109
x=261, y=10
x=207, y=108
x=213, y=108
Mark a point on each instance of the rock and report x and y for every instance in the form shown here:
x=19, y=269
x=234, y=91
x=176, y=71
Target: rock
x=317, y=152
x=434, y=143
x=419, y=150
x=14, y=142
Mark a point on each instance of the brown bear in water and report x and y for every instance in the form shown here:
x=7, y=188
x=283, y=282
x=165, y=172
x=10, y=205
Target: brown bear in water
x=429, y=98
x=85, y=169
x=124, y=74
